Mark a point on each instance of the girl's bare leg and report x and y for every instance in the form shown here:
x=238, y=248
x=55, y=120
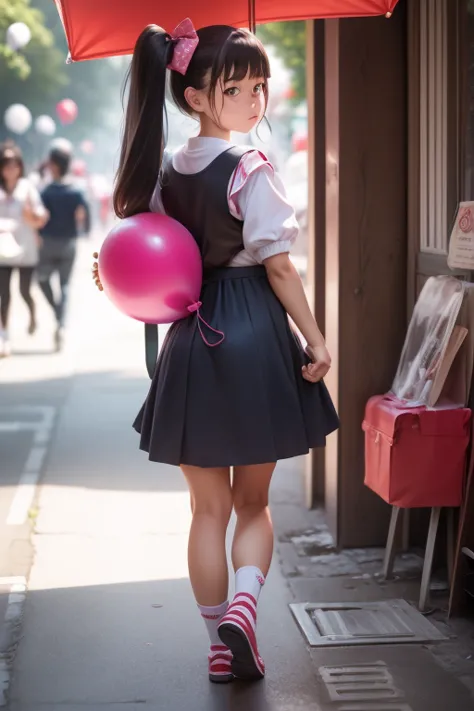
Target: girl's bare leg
x=211, y=504
x=253, y=538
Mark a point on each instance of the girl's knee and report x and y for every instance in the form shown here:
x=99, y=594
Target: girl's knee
x=219, y=508
x=250, y=488
x=250, y=502
x=210, y=492
x=26, y=295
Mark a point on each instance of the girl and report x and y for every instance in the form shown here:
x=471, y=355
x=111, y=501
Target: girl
x=240, y=394
x=21, y=214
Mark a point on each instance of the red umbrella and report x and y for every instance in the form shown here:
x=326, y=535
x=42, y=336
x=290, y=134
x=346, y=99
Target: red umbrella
x=104, y=28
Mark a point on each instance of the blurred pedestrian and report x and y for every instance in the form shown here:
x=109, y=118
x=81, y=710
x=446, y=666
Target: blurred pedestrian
x=69, y=217
x=22, y=213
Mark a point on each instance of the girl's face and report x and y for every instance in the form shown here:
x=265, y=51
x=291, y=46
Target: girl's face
x=237, y=106
x=11, y=172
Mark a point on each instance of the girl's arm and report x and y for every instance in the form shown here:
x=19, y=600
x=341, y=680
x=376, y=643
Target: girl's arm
x=34, y=212
x=257, y=196
x=288, y=287
x=34, y=221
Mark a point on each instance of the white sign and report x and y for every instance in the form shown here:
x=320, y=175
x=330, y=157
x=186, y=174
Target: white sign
x=461, y=246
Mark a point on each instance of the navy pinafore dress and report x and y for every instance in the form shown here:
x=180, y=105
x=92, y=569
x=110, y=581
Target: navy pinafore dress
x=243, y=401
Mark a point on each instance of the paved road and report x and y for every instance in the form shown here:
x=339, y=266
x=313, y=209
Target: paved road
x=96, y=536
x=109, y=618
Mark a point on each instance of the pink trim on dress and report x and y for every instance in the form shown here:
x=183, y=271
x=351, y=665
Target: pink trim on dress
x=248, y=164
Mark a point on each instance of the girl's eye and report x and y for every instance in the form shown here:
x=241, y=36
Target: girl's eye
x=258, y=88
x=232, y=91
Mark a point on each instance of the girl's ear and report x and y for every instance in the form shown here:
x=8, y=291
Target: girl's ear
x=194, y=99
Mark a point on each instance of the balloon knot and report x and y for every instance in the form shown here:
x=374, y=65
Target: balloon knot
x=195, y=307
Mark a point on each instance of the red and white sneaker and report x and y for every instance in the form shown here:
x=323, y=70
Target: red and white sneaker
x=220, y=664
x=237, y=631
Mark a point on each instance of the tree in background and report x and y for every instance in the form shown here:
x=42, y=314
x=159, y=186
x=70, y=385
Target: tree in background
x=94, y=85
x=34, y=71
x=289, y=41
x=39, y=77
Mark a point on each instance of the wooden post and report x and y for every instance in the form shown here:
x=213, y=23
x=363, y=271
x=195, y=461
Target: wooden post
x=366, y=249
x=315, y=60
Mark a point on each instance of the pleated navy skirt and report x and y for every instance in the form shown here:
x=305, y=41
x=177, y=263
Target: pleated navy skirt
x=242, y=402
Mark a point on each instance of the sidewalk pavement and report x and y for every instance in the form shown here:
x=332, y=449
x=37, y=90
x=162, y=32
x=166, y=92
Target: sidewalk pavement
x=109, y=618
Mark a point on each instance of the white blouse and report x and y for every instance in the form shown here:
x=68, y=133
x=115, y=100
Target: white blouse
x=255, y=195
x=11, y=220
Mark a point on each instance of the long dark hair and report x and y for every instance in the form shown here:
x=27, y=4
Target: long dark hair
x=223, y=52
x=10, y=153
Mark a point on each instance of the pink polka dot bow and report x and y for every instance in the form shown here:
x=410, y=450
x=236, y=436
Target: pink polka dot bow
x=186, y=43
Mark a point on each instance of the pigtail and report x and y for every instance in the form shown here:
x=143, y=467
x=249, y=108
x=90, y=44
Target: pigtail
x=143, y=143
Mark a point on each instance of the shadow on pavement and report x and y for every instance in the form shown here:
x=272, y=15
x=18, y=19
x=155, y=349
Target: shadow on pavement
x=93, y=443
x=95, y=645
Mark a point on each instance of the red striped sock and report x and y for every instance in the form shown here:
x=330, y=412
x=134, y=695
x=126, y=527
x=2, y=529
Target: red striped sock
x=242, y=612
x=241, y=617
x=220, y=662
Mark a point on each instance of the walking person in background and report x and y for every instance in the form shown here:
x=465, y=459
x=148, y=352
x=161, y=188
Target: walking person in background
x=21, y=215
x=69, y=216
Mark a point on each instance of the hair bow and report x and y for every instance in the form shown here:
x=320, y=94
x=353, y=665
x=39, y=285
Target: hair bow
x=186, y=40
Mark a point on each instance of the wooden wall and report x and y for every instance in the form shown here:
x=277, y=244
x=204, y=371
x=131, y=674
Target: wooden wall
x=365, y=248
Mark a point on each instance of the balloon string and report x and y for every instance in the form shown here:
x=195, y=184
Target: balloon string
x=196, y=308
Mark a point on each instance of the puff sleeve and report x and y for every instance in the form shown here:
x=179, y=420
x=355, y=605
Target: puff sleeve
x=257, y=197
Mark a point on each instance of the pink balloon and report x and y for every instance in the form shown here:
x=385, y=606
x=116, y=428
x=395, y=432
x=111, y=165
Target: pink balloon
x=299, y=142
x=79, y=167
x=151, y=269
x=67, y=111
x=87, y=146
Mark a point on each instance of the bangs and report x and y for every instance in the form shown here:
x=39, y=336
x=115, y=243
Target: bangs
x=223, y=54
x=242, y=55
x=7, y=160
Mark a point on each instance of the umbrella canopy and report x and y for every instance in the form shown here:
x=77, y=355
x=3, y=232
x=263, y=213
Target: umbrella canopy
x=104, y=28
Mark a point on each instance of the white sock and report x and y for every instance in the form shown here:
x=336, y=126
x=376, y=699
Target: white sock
x=249, y=579
x=212, y=617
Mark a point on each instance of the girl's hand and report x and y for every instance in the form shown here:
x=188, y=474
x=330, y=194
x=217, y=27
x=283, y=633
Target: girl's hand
x=315, y=371
x=95, y=272
x=28, y=213
x=32, y=217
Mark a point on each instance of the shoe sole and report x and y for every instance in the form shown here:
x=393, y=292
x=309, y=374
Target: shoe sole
x=244, y=665
x=221, y=678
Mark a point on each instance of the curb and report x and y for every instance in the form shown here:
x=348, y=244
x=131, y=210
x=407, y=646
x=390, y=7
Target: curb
x=10, y=630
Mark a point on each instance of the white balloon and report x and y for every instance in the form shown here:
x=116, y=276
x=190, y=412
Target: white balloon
x=62, y=144
x=45, y=125
x=18, y=35
x=17, y=118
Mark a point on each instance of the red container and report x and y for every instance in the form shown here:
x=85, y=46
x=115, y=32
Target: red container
x=415, y=457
